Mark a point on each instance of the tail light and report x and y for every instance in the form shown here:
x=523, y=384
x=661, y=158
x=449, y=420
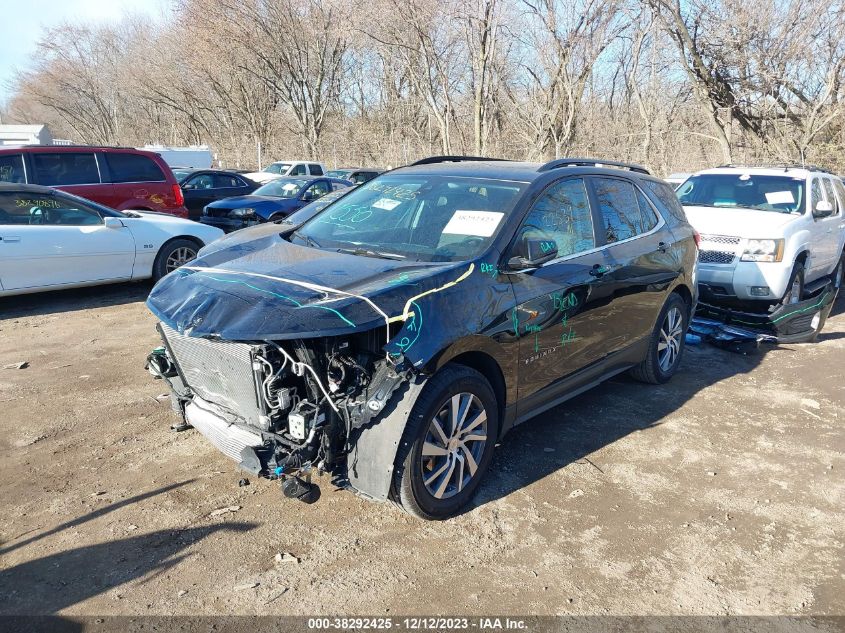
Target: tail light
x=697, y=237
x=177, y=193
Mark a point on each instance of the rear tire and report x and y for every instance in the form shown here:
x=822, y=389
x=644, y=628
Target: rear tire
x=173, y=254
x=666, y=343
x=438, y=484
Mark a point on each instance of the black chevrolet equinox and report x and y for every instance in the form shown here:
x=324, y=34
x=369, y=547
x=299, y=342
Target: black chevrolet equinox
x=393, y=338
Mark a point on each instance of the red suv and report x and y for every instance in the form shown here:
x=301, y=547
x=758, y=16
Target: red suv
x=118, y=177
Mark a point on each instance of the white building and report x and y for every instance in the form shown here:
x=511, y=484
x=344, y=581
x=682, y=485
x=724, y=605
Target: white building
x=25, y=135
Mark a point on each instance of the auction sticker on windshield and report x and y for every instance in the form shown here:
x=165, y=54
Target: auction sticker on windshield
x=386, y=203
x=476, y=223
x=780, y=197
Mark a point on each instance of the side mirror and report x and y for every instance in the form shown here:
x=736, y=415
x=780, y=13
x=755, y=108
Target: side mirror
x=111, y=222
x=535, y=253
x=823, y=209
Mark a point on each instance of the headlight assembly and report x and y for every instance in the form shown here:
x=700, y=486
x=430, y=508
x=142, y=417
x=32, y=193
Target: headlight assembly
x=247, y=212
x=763, y=251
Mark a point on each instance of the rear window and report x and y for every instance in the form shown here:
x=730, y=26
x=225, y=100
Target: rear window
x=65, y=168
x=664, y=198
x=620, y=210
x=11, y=168
x=133, y=168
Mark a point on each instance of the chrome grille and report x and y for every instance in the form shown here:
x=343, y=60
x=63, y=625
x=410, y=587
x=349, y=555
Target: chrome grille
x=217, y=371
x=720, y=239
x=716, y=257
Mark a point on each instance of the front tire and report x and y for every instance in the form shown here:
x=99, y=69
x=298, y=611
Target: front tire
x=795, y=286
x=448, y=444
x=172, y=255
x=666, y=343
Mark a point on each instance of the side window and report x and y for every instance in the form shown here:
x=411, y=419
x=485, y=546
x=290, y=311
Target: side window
x=45, y=210
x=337, y=186
x=816, y=193
x=223, y=181
x=665, y=199
x=620, y=211
x=316, y=170
x=298, y=170
x=133, y=168
x=649, y=218
x=70, y=168
x=317, y=190
x=840, y=191
x=203, y=181
x=11, y=168
x=831, y=197
x=562, y=214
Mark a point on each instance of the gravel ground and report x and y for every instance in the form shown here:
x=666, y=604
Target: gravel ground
x=720, y=493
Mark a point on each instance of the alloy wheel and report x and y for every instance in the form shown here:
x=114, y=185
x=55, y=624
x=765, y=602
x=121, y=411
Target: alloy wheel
x=179, y=257
x=669, y=342
x=454, y=445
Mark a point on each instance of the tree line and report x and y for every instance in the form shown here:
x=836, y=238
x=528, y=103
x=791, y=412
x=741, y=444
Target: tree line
x=672, y=84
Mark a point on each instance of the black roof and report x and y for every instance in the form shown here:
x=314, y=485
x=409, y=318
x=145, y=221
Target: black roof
x=499, y=169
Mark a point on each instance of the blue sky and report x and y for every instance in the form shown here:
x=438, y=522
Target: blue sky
x=23, y=21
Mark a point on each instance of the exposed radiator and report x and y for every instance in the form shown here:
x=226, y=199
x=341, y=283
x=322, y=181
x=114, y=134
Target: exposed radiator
x=228, y=438
x=217, y=371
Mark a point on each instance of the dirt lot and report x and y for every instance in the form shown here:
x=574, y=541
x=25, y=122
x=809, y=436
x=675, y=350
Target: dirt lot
x=722, y=492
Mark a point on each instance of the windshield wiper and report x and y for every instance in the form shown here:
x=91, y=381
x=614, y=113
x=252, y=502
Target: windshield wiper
x=307, y=239
x=366, y=252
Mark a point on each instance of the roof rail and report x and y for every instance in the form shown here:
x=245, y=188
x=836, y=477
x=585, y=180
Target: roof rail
x=592, y=162
x=452, y=159
x=783, y=166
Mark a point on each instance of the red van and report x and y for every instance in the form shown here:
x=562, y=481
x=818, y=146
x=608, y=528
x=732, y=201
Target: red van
x=118, y=177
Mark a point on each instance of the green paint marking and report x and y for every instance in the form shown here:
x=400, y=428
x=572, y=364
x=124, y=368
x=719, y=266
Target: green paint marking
x=280, y=296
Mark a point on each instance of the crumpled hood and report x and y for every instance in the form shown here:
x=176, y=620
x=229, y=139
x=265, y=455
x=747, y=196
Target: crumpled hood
x=269, y=289
x=746, y=223
x=263, y=205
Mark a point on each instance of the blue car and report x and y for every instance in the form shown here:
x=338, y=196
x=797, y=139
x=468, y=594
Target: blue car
x=269, y=203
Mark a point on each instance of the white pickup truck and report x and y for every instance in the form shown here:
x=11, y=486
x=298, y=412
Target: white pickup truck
x=768, y=234
x=287, y=168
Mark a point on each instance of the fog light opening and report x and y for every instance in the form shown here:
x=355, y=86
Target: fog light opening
x=760, y=291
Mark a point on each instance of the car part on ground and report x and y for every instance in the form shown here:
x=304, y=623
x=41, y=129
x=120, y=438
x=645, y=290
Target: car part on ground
x=742, y=332
x=394, y=337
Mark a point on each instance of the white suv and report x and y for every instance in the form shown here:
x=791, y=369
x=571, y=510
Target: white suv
x=767, y=233
x=287, y=168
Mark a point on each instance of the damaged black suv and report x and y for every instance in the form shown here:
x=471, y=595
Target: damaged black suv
x=395, y=336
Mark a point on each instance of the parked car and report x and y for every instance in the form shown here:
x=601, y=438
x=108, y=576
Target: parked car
x=51, y=240
x=117, y=177
x=398, y=334
x=272, y=201
x=677, y=178
x=203, y=186
x=769, y=235
x=287, y=168
x=357, y=175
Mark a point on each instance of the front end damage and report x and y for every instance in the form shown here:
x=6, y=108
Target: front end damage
x=294, y=361
x=283, y=409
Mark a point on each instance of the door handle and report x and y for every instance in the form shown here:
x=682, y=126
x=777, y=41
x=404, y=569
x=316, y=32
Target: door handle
x=10, y=238
x=663, y=247
x=598, y=270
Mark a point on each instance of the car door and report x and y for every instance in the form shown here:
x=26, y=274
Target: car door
x=827, y=244
x=642, y=257
x=199, y=190
x=562, y=307
x=51, y=240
